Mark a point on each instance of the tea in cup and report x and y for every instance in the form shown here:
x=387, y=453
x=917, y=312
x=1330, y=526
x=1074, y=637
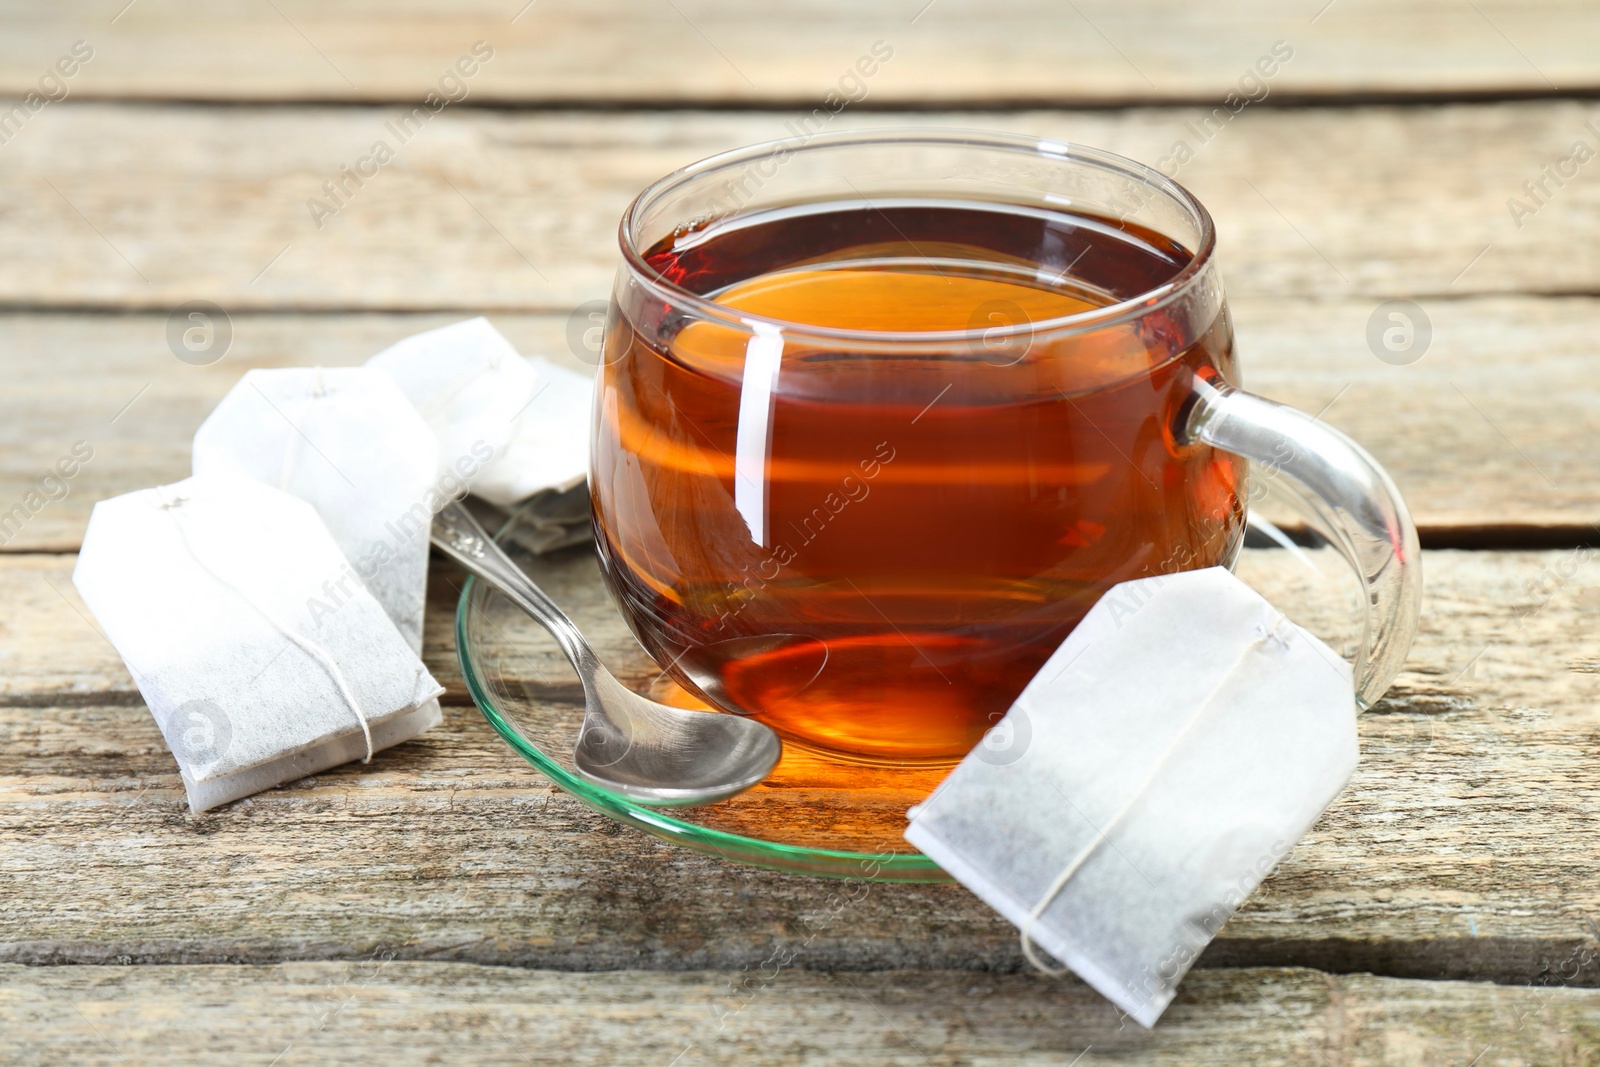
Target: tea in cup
x=881, y=416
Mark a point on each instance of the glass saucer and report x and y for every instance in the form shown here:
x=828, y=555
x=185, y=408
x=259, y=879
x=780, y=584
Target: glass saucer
x=813, y=815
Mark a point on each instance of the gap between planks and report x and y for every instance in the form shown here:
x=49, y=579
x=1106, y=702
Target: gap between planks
x=1281, y=100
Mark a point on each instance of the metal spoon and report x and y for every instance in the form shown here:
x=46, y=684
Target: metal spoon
x=646, y=751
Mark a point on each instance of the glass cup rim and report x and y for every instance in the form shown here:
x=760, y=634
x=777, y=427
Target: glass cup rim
x=1120, y=313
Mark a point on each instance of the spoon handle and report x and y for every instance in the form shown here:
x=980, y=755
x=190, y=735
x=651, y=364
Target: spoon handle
x=457, y=534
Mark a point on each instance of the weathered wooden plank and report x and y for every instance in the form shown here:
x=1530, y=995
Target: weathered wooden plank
x=148, y=206
x=1464, y=846
x=1500, y=414
x=703, y=51
x=380, y=1010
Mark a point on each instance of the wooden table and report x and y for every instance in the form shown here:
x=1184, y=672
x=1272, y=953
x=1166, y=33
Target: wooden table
x=445, y=904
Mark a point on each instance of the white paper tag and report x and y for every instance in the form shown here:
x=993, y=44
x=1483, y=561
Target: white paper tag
x=1170, y=752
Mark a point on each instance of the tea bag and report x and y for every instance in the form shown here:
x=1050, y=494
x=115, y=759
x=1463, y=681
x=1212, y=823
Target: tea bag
x=211, y=591
x=549, y=453
x=554, y=519
x=1162, y=761
x=348, y=442
x=471, y=387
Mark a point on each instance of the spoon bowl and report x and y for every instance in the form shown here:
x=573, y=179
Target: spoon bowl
x=706, y=755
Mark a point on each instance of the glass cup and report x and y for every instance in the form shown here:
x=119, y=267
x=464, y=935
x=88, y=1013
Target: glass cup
x=873, y=537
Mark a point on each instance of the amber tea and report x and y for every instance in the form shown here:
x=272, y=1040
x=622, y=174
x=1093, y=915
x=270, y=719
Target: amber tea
x=873, y=547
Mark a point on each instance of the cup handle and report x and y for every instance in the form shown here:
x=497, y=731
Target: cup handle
x=1343, y=486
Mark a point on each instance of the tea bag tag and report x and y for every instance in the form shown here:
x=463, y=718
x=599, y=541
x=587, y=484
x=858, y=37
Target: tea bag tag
x=1167, y=755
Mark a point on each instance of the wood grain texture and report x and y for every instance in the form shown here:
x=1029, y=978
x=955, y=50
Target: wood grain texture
x=385, y=1011
x=116, y=206
x=1464, y=846
x=718, y=51
x=1493, y=428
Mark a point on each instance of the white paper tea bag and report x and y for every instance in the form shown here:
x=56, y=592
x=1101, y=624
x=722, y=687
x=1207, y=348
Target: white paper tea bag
x=469, y=384
x=1172, y=750
x=550, y=451
x=348, y=442
x=211, y=591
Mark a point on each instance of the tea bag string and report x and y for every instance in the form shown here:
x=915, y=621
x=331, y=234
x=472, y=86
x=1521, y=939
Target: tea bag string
x=171, y=505
x=1029, y=949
